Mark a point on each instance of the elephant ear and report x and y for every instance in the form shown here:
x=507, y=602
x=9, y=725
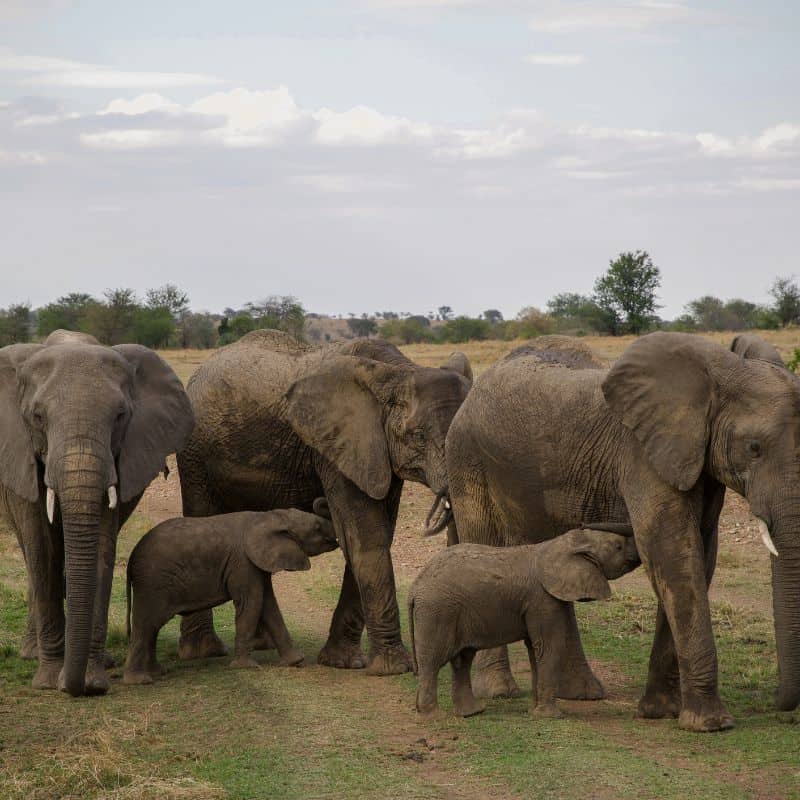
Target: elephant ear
x=662, y=390
x=160, y=423
x=17, y=459
x=568, y=570
x=748, y=345
x=274, y=549
x=335, y=411
x=458, y=362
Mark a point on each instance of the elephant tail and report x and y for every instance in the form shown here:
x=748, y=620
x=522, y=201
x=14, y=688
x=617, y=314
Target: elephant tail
x=128, y=600
x=411, y=634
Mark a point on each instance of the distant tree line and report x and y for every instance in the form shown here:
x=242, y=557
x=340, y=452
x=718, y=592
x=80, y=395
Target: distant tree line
x=624, y=300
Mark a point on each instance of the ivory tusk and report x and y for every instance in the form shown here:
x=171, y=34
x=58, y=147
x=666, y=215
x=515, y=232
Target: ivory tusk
x=112, y=496
x=51, y=504
x=766, y=538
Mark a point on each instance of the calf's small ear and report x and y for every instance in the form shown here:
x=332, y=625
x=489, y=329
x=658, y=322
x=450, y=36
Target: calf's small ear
x=321, y=507
x=568, y=571
x=275, y=550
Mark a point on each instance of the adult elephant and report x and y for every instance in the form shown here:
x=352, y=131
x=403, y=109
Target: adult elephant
x=749, y=345
x=538, y=448
x=84, y=428
x=280, y=423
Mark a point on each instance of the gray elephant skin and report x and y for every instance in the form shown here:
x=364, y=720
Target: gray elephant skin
x=472, y=597
x=654, y=441
x=192, y=564
x=280, y=423
x=84, y=428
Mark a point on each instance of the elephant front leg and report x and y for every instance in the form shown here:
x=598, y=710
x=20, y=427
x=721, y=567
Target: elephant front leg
x=198, y=637
x=343, y=648
x=577, y=681
x=29, y=647
x=677, y=569
x=272, y=622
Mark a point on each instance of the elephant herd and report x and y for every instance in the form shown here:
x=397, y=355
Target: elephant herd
x=544, y=441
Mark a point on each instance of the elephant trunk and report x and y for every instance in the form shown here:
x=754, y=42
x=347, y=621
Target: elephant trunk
x=786, y=608
x=80, y=481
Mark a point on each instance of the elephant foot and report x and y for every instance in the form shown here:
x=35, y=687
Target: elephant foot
x=469, y=707
x=705, y=717
x=96, y=681
x=244, y=662
x=342, y=655
x=46, y=676
x=580, y=685
x=394, y=661
x=136, y=678
x=293, y=658
x=546, y=711
x=659, y=705
x=431, y=712
x=201, y=644
x=492, y=683
x=156, y=670
x=109, y=662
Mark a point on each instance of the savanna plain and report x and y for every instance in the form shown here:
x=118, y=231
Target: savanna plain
x=205, y=731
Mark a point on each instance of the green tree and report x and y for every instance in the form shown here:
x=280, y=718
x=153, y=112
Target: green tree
x=15, y=324
x=153, y=326
x=493, y=316
x=236, y=327
x=465, y=329
x=406, y=331
x=445, y=313
x=363, y=326
x=198, y=331
x=170, y=297
x=627, y=292
x=284, y=313
x=67, y=313
x=578, y=311
x=113, y=321
x=786, y=294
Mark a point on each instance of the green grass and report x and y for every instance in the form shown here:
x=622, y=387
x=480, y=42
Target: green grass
x=206, y=732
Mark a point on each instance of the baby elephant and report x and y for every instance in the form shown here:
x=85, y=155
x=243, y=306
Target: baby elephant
x=195, y=563
x=473, y=597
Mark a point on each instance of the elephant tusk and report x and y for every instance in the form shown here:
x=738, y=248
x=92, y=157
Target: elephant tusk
x=766, y=538
x=51, y=504
x=112, y=496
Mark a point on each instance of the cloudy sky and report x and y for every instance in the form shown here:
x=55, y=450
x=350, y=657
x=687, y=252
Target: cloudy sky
x=367, y=155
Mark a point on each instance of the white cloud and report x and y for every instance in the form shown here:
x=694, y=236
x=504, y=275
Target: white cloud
x=251, y=118
x=776, y=138
x=365, y=126
x=131, y=139
x=555, y=60
x=143, y=104
x=24, y=158
x=770, y=184
x=630, y=16
x=100, y=78
x=347, y=183
x=61, y=72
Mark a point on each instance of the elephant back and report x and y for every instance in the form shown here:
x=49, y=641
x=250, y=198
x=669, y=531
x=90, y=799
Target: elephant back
x=564, y=350
x=276, y=341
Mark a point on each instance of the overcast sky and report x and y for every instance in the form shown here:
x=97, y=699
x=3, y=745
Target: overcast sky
x=370, y=155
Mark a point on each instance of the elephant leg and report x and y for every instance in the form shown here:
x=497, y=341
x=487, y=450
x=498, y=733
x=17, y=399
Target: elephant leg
x=272, y=622
x=249, y=606
x=142, y=665
x=576, y=680
x=427, y=689
x=493, y=676
x=366, y=527
x=43, y=551
x=343, y=648
x=679, y=567
x=29, y=648
x=662, y=696
x=464, y=702
x=198, y=637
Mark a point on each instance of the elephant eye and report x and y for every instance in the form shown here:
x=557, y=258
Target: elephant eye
x=753, y=449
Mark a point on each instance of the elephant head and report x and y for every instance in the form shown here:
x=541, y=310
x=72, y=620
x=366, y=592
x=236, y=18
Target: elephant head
x=83, y=426
x=696, y=408
x=284, y=539
x=748, y=345
x=579, y=564
x=377, y=419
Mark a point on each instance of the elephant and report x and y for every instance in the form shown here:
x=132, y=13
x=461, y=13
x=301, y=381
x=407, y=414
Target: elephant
x=472, y=597
x=748, y=345
x=84, y=428
x=195, y=563
x=280, y=423
x=654, y=441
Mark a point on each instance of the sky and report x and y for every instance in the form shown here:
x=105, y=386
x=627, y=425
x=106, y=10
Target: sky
x=371, y=155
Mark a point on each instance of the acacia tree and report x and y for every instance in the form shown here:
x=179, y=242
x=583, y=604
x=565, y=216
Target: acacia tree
x=627, y=292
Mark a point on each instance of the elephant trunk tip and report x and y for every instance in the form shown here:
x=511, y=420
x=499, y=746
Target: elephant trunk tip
x=440, y=515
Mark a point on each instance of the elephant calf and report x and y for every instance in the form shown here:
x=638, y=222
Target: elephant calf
x=472, y=597
x=192, y=564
